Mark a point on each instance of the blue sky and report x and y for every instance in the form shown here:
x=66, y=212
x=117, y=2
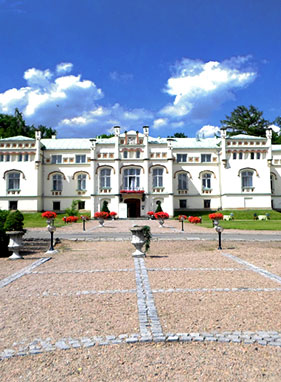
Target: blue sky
x=83, y=66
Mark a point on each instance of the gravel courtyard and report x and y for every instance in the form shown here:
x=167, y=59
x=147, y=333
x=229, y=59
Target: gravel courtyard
x=186, y=312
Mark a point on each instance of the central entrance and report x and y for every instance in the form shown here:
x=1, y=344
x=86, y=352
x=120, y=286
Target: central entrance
x=133, y=208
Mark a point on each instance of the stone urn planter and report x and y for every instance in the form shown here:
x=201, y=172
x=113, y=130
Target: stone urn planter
x=138, y=240
x=15, y=244
x=101, y=222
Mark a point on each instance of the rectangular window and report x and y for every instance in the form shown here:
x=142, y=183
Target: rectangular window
x=182, y=182
x=81, y=205
x=81, y=182
x=56, y=159
x=57, y=183
x=80, y=158
x=205, y=158
x=20, y=158
x=234, y=156
x=125, y=154
x=56, y=206
x=1, y=158
x=157, y=177
x=252, y=155
x=182, y=203
x=181, y=158
x=13, y=181
x=26, y=157
x=8, y=158
x=13, y=205
x=207, y=203
x=240, y=155
x=258, y=155
x=138, y=154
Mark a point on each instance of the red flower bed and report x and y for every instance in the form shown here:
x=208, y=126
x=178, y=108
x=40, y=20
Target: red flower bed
x=194, y=219
x=216, y=215
x=112, y=213
x=70, y=219
x=182, y=217
x=49, y=215
x=161, y=215
x=131, y=191
x=101, y=215
x=150, y=213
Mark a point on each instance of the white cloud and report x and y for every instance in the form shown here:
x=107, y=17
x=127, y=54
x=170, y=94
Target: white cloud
x=208, y=131
x=64, y=67
x=200, y=87
x=275, y=128
x=160, y=122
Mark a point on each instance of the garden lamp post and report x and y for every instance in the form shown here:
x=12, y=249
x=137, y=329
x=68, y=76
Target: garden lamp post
x=84, y=222
x=182, y=220
x=51, y=228
x=219, y=230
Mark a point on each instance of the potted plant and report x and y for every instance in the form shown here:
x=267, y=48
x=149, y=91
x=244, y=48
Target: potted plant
x=14, y=229
x=215, y=217
x=101, y=216
x=150, y=214
x=140, y=236
x=113, y=214
x=161, y=216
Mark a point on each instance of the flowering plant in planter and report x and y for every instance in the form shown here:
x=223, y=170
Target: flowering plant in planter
x=150, y=213
x=49, y=215
x=131, y=191
x=182, y=217
x=161, y=215
x=101, y=215
x=113, y=214
x=216, y=216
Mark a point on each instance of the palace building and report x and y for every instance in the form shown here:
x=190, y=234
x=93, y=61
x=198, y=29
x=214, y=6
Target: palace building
x=133, y=171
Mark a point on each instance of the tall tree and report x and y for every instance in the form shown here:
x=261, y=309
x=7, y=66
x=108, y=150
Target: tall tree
x=245, y=120
x=13, y=125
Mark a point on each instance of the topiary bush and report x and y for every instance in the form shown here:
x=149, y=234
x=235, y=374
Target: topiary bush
x=105, y=208
x=158, y=208
x=73, y=210
x=14, y=221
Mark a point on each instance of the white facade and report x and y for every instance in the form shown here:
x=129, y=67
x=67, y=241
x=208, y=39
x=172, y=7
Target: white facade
x=133, y=171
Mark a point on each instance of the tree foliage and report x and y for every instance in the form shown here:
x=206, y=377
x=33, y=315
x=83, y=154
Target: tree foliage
x=178, y=135
x=250, y=121
x=13, y=125
x=245, y=120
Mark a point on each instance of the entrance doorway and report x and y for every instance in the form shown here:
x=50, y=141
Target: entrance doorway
x=133, y=208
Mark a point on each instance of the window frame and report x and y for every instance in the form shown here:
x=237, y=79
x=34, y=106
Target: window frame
x=81, y=182
x=206, y=181
x=204, y=158
x=80, y=158
x=57, y=184
x=181, y=158
x=13, y=182
x=131, y=179
x=56, y=159
x=157, y=178
x=182, y=181
x=247, y=175
x=105, y=178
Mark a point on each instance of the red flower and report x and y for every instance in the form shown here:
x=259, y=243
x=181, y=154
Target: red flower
x=70, y=219
x=49, y=215
x=101, y=215
x=150, y=213
x=216, y=215
x=86, y=217
x=161, y=215
x=194, y=219
x=112, y=213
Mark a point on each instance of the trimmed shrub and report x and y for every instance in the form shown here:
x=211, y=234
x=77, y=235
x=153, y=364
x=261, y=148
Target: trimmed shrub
x=158, y=208
x=14, y=221
x=104, y=207
x=4, y=239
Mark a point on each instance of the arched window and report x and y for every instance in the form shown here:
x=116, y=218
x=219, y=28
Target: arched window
x=131, y=179
x=13, y=181
x=105, y=176
x=247, y=179
x=57, y=182
x=182, y=181
x=206, y=181
x=157, y=176
x=81, y=182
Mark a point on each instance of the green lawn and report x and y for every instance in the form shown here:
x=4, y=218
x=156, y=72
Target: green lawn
x=35, y=219
x=243, y=219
